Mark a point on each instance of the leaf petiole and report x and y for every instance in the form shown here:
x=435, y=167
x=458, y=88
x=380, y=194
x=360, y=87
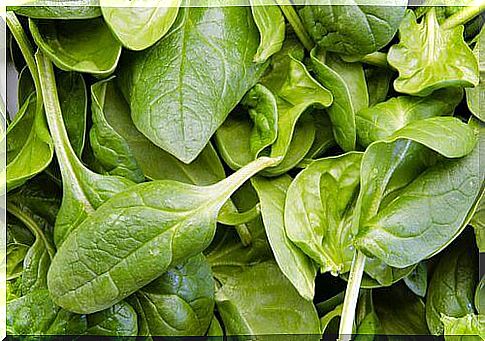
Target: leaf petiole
x=295, y=22
x=351, y=296
x=465, y=15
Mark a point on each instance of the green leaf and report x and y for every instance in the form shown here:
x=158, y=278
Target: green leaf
x=347, y=83
x=74, y=45
x=476, y=96
x=271, y=26
x=319, y=208
x=73, y=99
x=429, y=57
x=452, y=286
x=83, y=190
x=296, y=92
x=138, y=234
x=36, y=314
x=181, y=302
x=293, y=263
x=378, y=84
x=118, y=320
x=201, y=84
x=432, y=205
x=348, y=28
x=29, y=145
x=417, y=280
x=136, y=25
x=261, y=301
x=464, y=328
x=384, y=119
x=480, y=297
x=215, y=328
x=81, y=9
x=15, y=257
x=227, y=255
x=400, y=312
x=110, y=149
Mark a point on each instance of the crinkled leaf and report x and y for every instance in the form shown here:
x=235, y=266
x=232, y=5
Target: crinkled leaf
x=429, y=57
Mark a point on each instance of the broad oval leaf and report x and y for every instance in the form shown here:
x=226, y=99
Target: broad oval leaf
x=138, y=234
x=429, y=57
x=455, y=188
x=180, y=302
x=261, y=301
x=203, y=80
x=350, y=28
x=136, y=25
x=74, y=45
x=319, y=207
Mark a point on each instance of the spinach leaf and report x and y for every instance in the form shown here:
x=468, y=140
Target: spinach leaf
x=73, y=99
x=83, y=189
x=81, y=9
x=319, y=208
x=36, y=314
x=215, y=328
x=202, y=83
x=136, y=25
x=181, y=302
x=38, y=257
x=111, y=150
x=118, y=320
x=75, y=45
x=127, y=244
x=480, y=296
x=384, y=119
x=271, y=26
x=464, y=327
x=400, y=312
x=476, y=96
x=429, y=57
x=260, y=301
x=378, y=83
x=29, y=149
x=350, y=28
x=295, y=91
x=226, y=254
x=293, y=263
x=347, y=83
x=417, y=280
x=452, y=286
x=16, y=253
x=453, y=184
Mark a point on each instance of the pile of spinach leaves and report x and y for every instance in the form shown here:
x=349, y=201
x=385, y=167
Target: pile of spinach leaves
x=268, y=169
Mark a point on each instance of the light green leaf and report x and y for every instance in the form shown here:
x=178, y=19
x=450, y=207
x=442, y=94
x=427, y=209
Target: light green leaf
x=136, y=25
x=476, y=96
x=271, y=26
x=293, y=263
x=74, y=45
x=202, y=82
x=261, y=301
x=429, y=57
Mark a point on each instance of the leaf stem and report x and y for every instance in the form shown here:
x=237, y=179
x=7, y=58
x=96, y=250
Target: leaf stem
x=465, y=15
x=64, y=152
x=351, y=296
x=228, y=186
x=378, y=59
x=27, y=51
x=295, y=22
x=236, y=218
x=32, y=225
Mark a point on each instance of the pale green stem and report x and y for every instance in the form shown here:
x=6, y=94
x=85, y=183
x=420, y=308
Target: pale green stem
x=351, y=296
x=295, y=22
x=236, y=218
x=465, y=15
